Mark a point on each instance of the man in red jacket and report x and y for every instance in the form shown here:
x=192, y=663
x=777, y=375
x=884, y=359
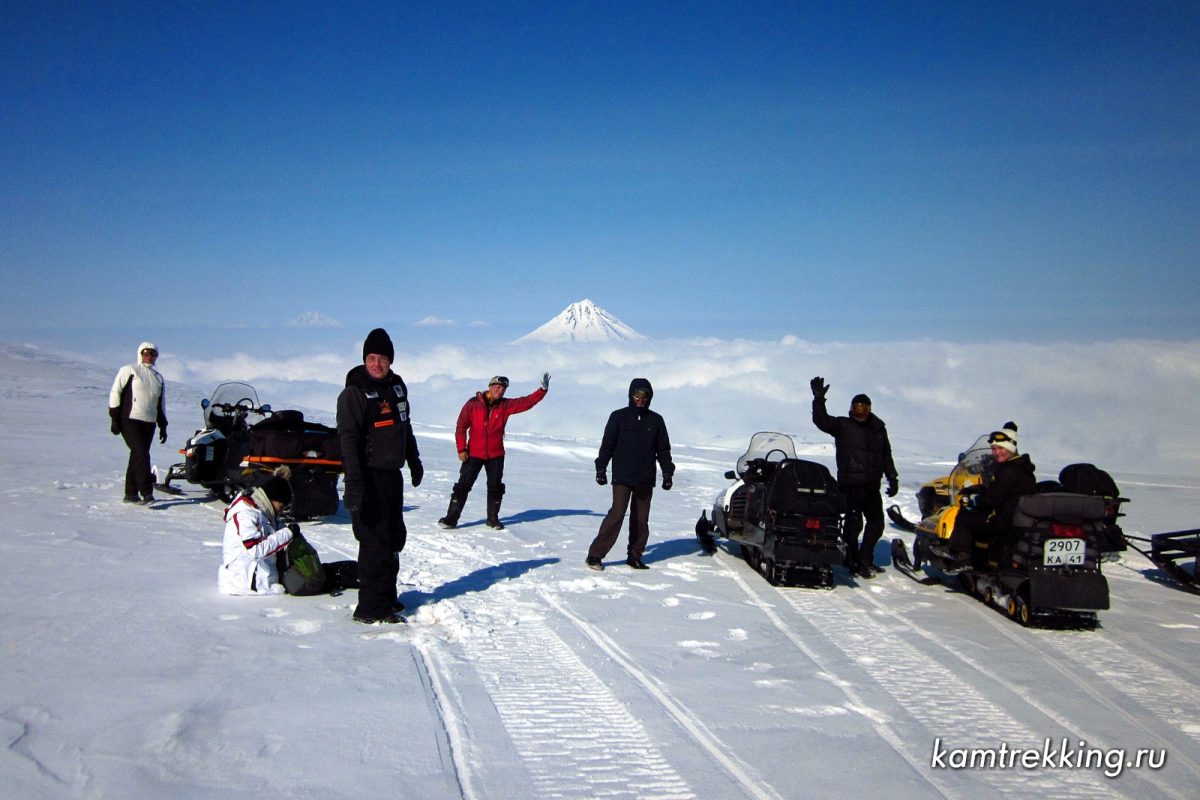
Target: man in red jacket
x=479, y=438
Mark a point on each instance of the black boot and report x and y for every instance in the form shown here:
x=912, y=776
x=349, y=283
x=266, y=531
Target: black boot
x=453, y=512
x=493, y=512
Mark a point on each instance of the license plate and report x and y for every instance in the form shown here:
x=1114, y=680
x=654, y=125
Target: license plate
x=1063, y=552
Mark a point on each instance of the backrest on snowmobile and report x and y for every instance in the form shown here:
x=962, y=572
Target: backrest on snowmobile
x=804, y=488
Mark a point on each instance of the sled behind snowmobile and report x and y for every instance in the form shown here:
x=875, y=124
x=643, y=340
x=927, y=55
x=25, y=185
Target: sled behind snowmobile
x=1170, y=551
x=785, y=513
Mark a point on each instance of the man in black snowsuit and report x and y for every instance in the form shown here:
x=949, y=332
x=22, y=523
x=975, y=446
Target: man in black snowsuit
x=377, y=439
x=864, y=457
x=634, y=439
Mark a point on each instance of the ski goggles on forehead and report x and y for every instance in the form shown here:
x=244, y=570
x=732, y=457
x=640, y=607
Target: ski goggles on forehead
x=998, y=437
x=498, y=380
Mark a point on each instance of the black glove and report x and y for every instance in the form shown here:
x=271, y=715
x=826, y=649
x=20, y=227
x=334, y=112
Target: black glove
x=601, y=477
x=115, y=427
x=162, y=434
x=893, y=487
x=294, y=528
x=416, y=472
x=819, y=387
x=352, y=496
x=545, y=381
x=667, y=483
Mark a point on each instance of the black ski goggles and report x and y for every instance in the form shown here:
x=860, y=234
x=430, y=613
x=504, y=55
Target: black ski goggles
x=498, y=380
x=1000, y=436
x=149, y=352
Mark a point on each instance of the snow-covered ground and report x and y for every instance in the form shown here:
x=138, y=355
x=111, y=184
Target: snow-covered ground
x=521, y=673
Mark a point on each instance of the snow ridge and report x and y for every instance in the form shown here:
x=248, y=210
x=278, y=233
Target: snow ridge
x=583, y=321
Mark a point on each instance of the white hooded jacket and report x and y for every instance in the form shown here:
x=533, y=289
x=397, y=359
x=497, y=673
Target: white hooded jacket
x=252, y=539
x=146, y=388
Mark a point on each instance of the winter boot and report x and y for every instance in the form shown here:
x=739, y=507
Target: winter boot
x=493, y=512
x=452, y=513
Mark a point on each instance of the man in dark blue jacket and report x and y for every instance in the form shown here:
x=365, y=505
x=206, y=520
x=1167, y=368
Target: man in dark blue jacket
x=634, y=439
x=377, y=440
x=864, y=457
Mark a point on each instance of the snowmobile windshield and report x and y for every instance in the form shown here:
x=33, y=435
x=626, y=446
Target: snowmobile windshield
x=769, y=446
x=235, y=394
x=971, y=466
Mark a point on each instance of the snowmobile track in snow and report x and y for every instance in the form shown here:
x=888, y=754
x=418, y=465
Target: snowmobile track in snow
x=923, y=689
x=573, y=734
x=1072, y=674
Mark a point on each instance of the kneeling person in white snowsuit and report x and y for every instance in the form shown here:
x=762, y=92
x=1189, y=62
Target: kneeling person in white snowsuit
x=254, y=536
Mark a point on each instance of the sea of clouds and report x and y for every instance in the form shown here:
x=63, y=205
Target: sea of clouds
x=1124, y=405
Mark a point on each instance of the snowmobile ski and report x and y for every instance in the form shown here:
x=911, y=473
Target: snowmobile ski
x=904, y=565
x=899, y=520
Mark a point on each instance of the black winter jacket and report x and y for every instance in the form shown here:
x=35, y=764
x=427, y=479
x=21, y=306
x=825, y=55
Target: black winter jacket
x=634, y=439
x=373, y=424
x=864, y=453
x=1007, y=484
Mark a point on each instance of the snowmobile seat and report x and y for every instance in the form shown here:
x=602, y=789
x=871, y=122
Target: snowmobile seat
x=804, y=488
x=1066, y=507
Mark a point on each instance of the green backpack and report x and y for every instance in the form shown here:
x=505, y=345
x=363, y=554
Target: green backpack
x=304, y=573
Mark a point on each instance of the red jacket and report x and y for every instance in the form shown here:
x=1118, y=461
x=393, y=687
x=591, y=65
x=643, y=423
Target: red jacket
x=480, y=428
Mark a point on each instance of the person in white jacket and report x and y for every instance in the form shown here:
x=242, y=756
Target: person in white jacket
x=135, y=406
x=253, y=538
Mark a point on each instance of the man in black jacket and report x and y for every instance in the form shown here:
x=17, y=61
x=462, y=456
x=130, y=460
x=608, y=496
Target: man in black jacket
x=864, y=457
x=377, y=439
x=634, y=439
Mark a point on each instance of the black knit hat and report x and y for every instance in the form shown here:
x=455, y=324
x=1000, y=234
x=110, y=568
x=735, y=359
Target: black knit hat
x=379, y=343
x=860, y=398
x=278, y=488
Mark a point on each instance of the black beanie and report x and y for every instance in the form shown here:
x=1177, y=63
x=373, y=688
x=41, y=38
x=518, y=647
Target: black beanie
x=860, y=398
x=379, y=343
x=278, y=489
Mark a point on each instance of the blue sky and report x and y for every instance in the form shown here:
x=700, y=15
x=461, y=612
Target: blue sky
x=828, y=170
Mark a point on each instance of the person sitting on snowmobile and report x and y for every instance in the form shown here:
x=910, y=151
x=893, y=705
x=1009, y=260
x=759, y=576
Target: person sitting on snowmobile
x=254, y=536
x=864, y=457
x=989, y=513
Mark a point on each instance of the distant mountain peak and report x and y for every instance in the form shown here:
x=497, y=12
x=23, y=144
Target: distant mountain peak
x=314, y=319
x=583, y=321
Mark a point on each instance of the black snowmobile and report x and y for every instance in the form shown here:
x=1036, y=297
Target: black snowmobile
x=785, y=513
x=1044, y=568
x=243, y=443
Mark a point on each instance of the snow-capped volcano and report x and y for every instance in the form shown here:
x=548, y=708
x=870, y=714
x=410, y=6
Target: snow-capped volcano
x=314, y=319
x=583, y=322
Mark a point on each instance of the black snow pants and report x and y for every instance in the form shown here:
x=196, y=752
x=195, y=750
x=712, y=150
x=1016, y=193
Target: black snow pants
x=138, y=436
x=469, y=472
x=862, y=502
x=379, y=529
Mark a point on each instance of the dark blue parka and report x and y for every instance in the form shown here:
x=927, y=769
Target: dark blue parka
x=634, y=439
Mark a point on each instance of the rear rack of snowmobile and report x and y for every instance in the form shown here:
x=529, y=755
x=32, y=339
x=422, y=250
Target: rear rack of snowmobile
x=1166, y=552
